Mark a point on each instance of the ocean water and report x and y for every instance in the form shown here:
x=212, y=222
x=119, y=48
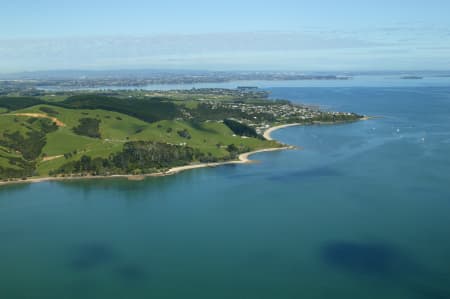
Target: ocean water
x=362, y=211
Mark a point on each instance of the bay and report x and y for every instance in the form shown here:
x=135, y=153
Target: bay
x=361, y=212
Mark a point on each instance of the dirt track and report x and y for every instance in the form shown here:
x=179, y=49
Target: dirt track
x=42, y=115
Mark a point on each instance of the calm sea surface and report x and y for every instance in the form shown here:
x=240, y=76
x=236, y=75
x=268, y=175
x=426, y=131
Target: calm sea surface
x=362, y=212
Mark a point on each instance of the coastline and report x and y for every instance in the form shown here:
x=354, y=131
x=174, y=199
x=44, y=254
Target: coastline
x=243, y=158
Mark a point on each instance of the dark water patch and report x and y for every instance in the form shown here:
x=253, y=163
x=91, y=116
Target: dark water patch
x=129, y=189
x=362, y=258
x=92, y=185
x=92, y=255
x=132, y=272
x=431, y=285
x=428, y=293
x=308, y=173
x=241, y=176
x=385, y=261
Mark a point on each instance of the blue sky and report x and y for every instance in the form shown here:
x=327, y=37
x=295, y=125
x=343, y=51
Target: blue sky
x=223, y=35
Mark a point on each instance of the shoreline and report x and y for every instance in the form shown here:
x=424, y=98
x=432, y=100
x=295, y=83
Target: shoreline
x=243, y=158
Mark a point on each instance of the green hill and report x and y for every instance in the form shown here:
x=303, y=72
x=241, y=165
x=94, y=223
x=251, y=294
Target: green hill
x=64, y=142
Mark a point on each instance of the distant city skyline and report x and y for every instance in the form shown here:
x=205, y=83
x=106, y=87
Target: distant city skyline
x=270, y=35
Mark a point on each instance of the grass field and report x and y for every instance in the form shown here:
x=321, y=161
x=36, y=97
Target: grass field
x=119, y=128
x=205, y=136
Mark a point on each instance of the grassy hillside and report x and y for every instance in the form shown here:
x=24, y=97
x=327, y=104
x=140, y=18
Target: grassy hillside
x=65, y=144
x=148, y=109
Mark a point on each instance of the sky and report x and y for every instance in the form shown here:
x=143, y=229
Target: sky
x=320, y=35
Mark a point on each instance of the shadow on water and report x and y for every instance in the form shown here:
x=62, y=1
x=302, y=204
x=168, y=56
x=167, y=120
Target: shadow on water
x=131, y=272
x=116, y=184
x=425, y=293
x=91, y=255
x=240, y=176
x=358, y=258
x=126, y=188
x=307, y=173
x=384, y=261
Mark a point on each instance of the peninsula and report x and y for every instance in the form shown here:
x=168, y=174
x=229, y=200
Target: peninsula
x=49, y=135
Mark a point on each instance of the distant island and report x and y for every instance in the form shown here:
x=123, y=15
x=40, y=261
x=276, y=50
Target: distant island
x=412, y=77
x=135, y=133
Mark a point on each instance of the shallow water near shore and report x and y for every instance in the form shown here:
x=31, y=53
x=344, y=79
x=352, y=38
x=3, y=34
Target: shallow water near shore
x=361, y=212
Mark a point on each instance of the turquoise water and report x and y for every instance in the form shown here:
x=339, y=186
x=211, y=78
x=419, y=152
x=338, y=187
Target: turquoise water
x=363, y=211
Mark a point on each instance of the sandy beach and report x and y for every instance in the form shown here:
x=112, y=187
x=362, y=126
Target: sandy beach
x=41, y=115
x=273, y=129
x=243, y=158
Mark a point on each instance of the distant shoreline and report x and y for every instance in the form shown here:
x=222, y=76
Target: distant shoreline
x=243, y=158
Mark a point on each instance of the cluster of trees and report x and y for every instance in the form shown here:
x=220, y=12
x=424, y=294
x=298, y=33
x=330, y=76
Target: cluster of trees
x=16, y=103
x=136, y=157
x=30, y=145
x=149, y=110
x=236, y=150
x=97, y=166
x=150, y=155
x=184, y=134
x=207, y=158
x=49, y=111
x=139, y=157
x=23, y=169
x=89, y=127
x=70, y=154
x=241, y=129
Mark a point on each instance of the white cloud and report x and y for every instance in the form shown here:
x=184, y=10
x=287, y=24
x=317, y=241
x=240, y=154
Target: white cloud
x=313, y=50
